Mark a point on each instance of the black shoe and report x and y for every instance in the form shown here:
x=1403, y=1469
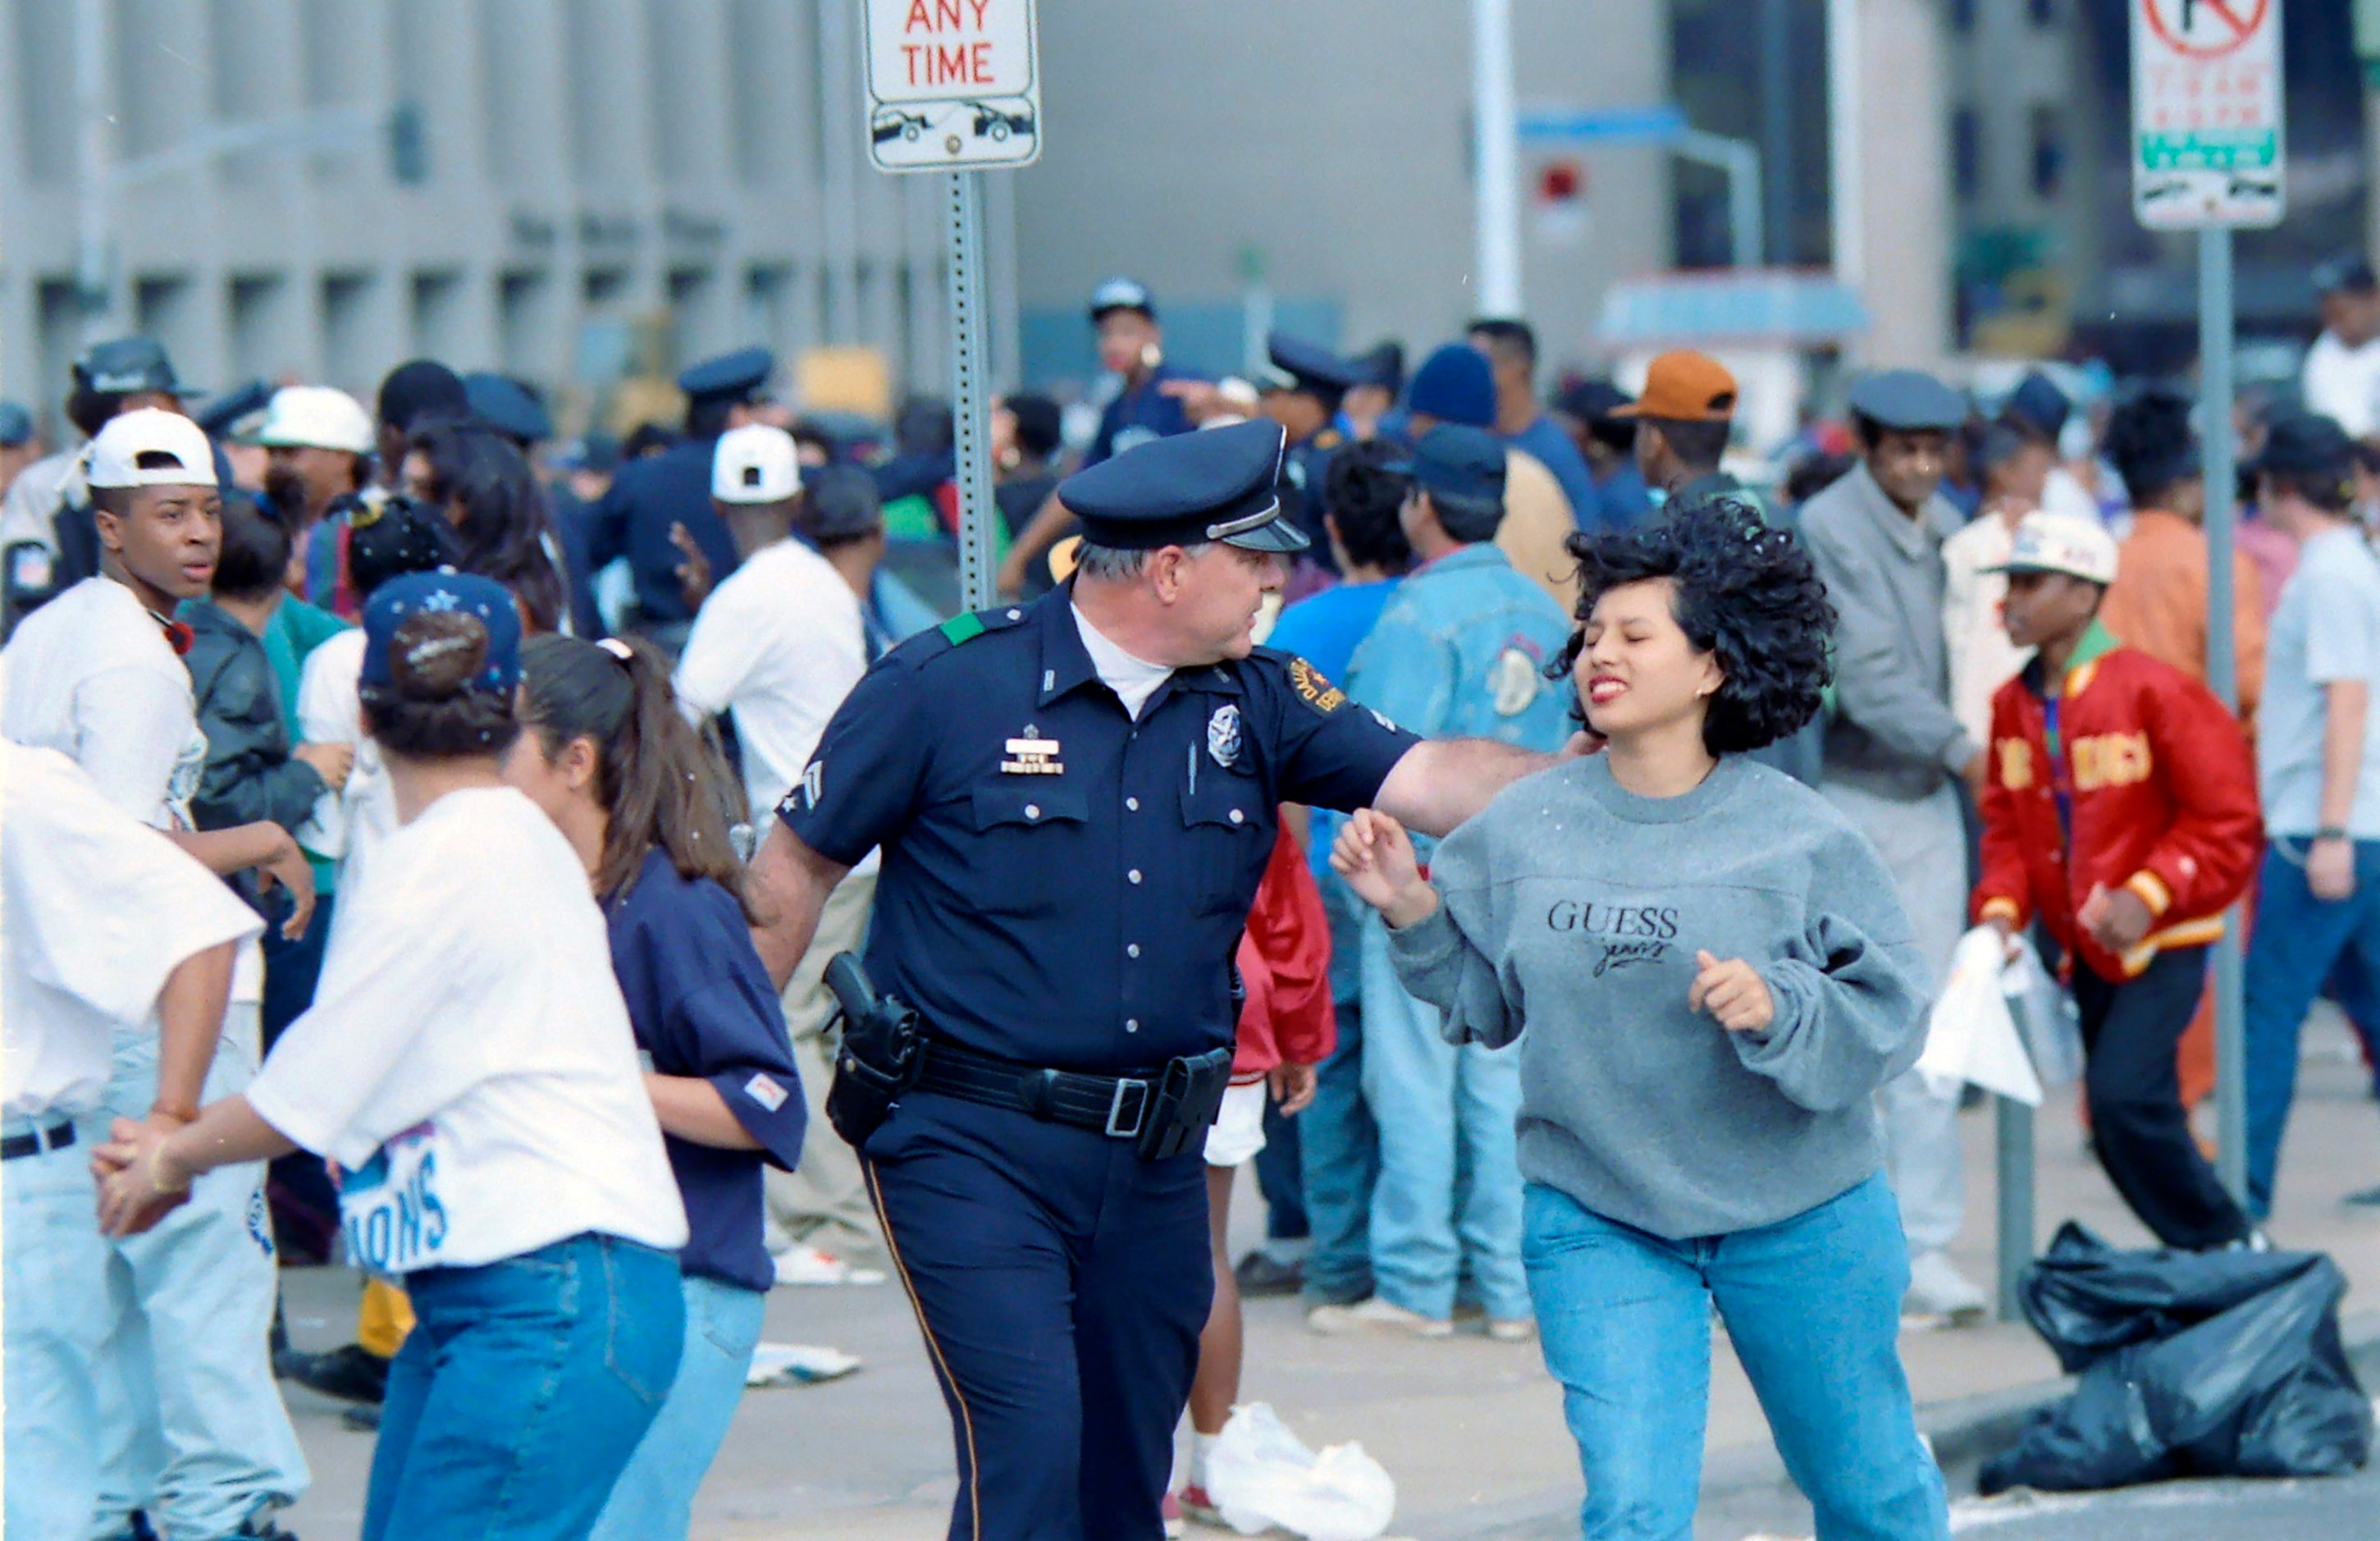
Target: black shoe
x=350, y=1374
x=2367, y=1198
x=260, y=1526
x=1260, y=1274
x=363, y=1420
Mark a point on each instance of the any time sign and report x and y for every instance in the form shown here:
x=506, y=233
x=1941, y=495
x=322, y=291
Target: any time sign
x=952, y=84
x=2206, y=112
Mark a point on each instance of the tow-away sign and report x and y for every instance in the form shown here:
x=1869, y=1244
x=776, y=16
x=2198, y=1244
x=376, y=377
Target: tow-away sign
x=2206, y=112
x=952, y=84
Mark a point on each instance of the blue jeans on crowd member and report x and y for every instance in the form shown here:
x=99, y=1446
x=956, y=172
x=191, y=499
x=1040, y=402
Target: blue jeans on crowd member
x=192, y=1429
x=2298, y=941
x=1813, y=1308
x=55, y=1319
x=653, y=1500
x=1339, y=1161
x=1279, y=1167
x=523, y=1390
x=1443, y=1111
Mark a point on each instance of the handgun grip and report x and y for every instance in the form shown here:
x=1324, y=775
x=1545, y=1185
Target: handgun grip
x=853, y=990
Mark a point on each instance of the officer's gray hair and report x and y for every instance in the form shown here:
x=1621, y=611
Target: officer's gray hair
x=1117, y=564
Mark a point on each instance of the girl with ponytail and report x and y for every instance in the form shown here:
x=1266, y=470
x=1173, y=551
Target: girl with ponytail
x=606, y=753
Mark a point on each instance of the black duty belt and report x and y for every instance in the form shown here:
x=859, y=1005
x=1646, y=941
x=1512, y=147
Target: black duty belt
x=1116, y=1106
x=56, y=1137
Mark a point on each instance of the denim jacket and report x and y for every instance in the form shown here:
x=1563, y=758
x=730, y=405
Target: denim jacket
x=1460, y=651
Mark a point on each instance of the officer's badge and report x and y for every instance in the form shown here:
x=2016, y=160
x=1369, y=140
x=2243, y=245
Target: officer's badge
x=1224, y=736
x=1513, y=682
x=1031, y=755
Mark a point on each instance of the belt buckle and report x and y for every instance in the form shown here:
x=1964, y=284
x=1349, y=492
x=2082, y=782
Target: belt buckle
x=1115, y=1110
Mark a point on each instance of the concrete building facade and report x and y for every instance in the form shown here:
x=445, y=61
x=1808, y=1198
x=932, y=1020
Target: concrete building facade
x=601, y=185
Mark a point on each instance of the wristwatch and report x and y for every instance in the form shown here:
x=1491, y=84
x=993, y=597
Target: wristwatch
x=2330, y=832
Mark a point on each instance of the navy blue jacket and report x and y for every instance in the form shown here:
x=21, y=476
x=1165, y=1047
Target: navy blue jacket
x=633, y=520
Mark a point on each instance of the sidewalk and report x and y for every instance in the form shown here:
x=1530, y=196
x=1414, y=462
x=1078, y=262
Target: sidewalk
x=1471, y=1429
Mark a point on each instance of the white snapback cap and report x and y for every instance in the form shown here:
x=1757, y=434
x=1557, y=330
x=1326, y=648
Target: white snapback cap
x=2062, y=543
x=755, y=463
x=151, y=447
x=316, y=416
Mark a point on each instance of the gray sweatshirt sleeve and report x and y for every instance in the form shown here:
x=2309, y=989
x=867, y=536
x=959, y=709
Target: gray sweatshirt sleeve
x=1874, y=684
x=1447, y=960
x=1850, y=997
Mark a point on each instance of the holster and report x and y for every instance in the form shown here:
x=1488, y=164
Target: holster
x=882, y=1054
x=1189, y=1094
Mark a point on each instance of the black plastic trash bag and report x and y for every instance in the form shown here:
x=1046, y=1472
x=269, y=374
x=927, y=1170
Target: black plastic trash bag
x=2223, y=1363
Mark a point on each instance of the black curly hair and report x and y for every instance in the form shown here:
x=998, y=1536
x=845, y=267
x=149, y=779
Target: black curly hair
x=1745, y=591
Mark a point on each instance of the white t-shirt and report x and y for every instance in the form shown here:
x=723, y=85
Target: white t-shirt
x=1134, y=680
x=91, y=676
x=2325, y=628
x=347, y=823
x=1982, y=657
x=779, y=644
x=2342, y=382
x=468, y=1059
x=100, y=909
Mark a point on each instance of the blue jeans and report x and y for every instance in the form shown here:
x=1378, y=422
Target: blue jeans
x=1813, y=1307
x=192, y=1429
x=522, y=1391
x=653, y=1500
x=1442, y=1110
x=1339, y=1159
x=2298, y=941
x=57, y=1264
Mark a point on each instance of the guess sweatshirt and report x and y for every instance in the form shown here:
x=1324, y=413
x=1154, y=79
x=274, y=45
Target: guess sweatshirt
x=1573, y=909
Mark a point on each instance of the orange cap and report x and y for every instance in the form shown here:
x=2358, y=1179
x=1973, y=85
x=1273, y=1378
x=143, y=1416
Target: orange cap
x=1684, y=386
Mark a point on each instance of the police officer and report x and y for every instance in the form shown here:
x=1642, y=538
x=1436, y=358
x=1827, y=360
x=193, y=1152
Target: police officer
x=48, y=505
x=1075, y=801
x=1302, y=394
x=651, y=498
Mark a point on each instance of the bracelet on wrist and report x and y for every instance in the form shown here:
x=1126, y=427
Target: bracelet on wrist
x=2331, y=831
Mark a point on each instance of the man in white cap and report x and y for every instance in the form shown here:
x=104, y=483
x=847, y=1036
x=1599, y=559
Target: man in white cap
x=96, y=674
x=318, y=444
x=776, y=645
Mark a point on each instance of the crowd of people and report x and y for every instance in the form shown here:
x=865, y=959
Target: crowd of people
x=429, y=843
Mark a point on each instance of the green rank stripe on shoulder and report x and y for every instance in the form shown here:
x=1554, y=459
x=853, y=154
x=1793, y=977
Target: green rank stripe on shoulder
x=962, y=628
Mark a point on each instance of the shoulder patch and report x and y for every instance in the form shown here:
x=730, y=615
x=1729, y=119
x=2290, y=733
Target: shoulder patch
x=1313, y=688
x=964, y=627
x=1330, y=438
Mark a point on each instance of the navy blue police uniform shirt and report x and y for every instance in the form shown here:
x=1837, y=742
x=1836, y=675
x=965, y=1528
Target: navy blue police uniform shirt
x=633, y=518
x=700, y=1000
x=1063, y=886
x=1140, y=414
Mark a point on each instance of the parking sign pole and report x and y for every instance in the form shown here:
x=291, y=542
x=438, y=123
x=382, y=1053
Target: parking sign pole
x=2222, y=670
x=970, y=404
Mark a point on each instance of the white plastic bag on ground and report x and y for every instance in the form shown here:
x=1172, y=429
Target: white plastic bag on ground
x=1261, y=1475
x=1971, y=1038
x=2046, y=1018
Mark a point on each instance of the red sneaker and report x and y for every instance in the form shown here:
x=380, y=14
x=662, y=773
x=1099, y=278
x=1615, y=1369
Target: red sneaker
x=1199, y=1507
x=1172, y=1511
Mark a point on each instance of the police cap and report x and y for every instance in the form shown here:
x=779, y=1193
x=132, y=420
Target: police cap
x=1908, y=400
x=1303, y=366
x=127, y=365
x=1217, y=484
x=1121, y=294
x=1454, y=460
x=737, y=376
x=504, y=405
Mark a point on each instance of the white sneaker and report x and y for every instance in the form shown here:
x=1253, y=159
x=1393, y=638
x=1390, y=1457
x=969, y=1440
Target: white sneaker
x=1937, y=1289
x=803, y=1264
x=1375, y=1315
x=1512, y=1329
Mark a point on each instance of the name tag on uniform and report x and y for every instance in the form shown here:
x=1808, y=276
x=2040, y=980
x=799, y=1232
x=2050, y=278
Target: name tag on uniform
x=1031, y=755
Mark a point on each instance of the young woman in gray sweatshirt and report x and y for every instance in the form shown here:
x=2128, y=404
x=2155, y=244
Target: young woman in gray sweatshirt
x=1710, y=975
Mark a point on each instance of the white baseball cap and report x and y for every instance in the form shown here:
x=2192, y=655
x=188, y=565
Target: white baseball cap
x=151, y=447
x=755, y=463
x=316, y=416
x=2062, y=543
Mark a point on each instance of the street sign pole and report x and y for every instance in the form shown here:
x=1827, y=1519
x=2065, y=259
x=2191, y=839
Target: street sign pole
x=2222, y=673
x=970, y=402
x=954, y=89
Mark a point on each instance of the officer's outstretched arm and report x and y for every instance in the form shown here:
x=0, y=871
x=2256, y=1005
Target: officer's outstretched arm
x=788, y=884
x=1442, y=781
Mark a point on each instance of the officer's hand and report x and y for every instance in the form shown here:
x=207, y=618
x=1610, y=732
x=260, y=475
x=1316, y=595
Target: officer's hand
x=1376, y=857
x=1293, y=1088
x=139, y=1186
x=694, y=574
x=1733, y=992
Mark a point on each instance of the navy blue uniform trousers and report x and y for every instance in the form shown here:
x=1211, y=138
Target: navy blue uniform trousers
x=1062, y=1282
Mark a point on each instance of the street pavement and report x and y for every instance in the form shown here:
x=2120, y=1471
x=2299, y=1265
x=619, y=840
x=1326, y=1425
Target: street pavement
x=1471, y=1429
